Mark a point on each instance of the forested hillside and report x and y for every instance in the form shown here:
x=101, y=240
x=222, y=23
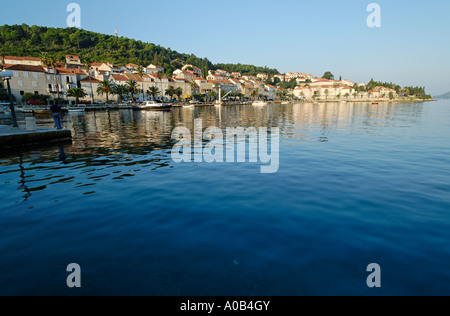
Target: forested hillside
x=24, y=40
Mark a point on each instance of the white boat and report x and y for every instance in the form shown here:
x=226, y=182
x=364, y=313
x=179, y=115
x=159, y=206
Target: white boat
x=259, y=103
x=153, y=106
x=76, y=111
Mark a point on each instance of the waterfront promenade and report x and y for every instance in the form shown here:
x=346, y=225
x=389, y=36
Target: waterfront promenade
x=20, y=136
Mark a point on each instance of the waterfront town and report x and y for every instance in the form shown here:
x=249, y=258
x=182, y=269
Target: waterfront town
x=102, y=82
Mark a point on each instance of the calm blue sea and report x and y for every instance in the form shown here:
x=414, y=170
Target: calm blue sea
x=357, y=184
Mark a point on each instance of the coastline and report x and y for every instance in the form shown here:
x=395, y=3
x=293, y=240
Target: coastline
x=363, y=101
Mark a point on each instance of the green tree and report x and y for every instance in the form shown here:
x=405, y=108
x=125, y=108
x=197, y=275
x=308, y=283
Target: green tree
x=105, y=87
x=254, y=93
x=170, y=92
x=193, y=86
x=50, y=62
x=160, y=75
x=132, y=88
x=76, y=93
x=140, y=71
x=120, y=91
x=179, y=93
x=87, y=62
x=328, y=75
x=154, y=91
x=212, y=95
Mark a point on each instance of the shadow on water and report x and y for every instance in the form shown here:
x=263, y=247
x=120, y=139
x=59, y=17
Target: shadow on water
x=23, y=186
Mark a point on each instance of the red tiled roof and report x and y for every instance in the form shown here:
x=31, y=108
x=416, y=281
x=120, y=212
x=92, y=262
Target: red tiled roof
x=133, y=77
x=156, y=76
x=26, y=68
x=74, y=57
x=23, y=58
x=120, y=78
x=64, y=71
x=90, y=79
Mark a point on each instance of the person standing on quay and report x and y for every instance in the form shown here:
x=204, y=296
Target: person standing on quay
x=56, y=113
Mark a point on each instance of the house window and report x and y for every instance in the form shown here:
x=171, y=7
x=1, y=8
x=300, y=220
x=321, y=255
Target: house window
x=36, y=75
x=35, y=84
x=50, y=87
x=16, y=74
x=67, y=79
x=36, y=92
x=22, y=92
x=20, y=83
x=25, y=74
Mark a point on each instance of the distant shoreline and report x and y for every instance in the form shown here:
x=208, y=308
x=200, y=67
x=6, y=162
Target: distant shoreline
x=369, y=101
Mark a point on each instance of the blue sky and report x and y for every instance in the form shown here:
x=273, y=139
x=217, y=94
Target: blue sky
x=411, y=47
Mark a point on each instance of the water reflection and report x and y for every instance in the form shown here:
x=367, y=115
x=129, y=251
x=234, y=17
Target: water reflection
x=23, y=187
x=115, y=143
x=62, y=155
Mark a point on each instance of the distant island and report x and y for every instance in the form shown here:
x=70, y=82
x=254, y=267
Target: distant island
x=444, y=96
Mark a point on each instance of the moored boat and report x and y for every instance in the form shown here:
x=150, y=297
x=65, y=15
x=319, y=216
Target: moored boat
x=76, y=111
x=259, y=103
x=152, y=106
x=42, y=112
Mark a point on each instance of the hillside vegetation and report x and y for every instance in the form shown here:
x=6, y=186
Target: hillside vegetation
x=24, y=40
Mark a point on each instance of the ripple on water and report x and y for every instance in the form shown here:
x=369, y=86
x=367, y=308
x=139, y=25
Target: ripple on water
x=357, y=184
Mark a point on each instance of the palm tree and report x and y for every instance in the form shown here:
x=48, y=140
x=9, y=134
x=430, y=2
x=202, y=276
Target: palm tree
x=212, y=95
x=160, y=76
x=76, y=93
x=88, y=64
x=179, y=93
x=347, y=95
x=326, y=93
x=355, y=95
x=106, y=88
x=254, y=93
x=154, y=91
x=120, y=90
x=170, y=92
x=193, y=86
x=243, y=88
x=316, y=94
x=132, y=88
x=49, y=61
x=140, y=71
